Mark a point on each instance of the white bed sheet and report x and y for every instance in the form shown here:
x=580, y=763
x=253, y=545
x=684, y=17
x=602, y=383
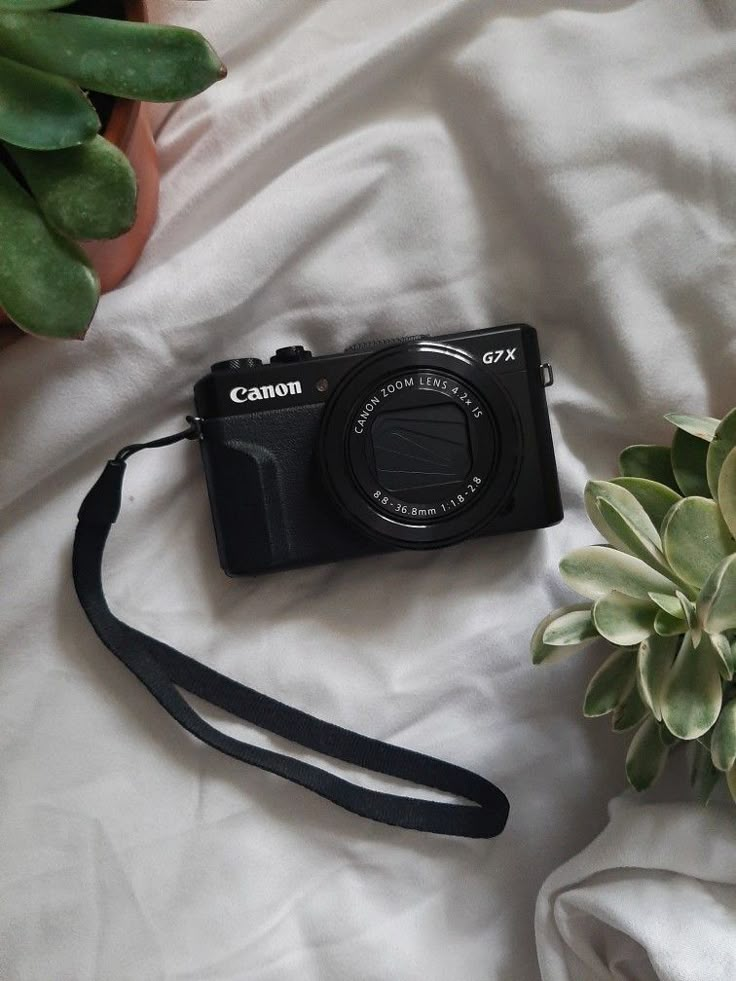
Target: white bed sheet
x=367, y=170
x=652, y=898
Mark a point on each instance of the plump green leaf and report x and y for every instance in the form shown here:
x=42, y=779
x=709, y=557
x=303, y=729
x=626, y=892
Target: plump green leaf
x=546, y=653
x=727, y=491
x=611, y=683
x=655, y=498
x=703, y=775
x=695, y=539
x=721, y=649
x=86, y=191
x=629, y=509
x=717, y=600
x=688, y=461
x=649, y=462
x=646, y=757
x=654, y=660
x=595, y=570
x=670, y=604
x=47, y=285
x=623, y=619
x=691, y=700
x=569, y=629
x=668, y=626
x=704, y=427
x=41, y=111
x=630, y=712
x=631, y=537
x=723, y=442
x=723, y=739
x=123, y=58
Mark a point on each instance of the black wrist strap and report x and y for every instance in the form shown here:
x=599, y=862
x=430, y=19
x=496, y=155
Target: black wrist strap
x=164, y=671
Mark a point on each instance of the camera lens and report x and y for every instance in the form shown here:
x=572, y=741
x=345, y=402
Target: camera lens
x=420, y=445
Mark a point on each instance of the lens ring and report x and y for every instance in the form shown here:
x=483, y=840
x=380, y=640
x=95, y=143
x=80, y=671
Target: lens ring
x=420, y=392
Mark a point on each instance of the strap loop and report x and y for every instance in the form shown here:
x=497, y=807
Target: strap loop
x=164, y=670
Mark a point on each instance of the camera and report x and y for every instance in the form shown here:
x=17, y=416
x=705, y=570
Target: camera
x=418, y=442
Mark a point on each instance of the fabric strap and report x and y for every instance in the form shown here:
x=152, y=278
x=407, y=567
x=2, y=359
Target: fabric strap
x=164, y=671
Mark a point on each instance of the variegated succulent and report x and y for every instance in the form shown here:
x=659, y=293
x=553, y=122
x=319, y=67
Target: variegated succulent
x=663, y=591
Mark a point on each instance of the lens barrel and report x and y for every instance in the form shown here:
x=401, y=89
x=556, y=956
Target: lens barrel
x=420, y=445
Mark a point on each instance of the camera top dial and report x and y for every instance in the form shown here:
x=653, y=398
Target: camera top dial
x=420, y=445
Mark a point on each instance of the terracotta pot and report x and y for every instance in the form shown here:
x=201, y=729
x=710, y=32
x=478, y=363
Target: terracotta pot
x=128, y=128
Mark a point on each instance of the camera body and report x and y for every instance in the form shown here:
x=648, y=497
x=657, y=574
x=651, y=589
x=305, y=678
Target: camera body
x=414, y=443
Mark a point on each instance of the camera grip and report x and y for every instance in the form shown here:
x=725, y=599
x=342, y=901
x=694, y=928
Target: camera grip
x=269, y=508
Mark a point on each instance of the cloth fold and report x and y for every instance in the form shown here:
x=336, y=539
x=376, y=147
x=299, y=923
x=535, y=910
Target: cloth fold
x=653, y=898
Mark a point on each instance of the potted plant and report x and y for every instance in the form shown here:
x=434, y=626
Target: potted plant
x=64, y=77
x=663, y=593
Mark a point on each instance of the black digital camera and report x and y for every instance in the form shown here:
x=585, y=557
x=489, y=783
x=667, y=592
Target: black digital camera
x=414, y=443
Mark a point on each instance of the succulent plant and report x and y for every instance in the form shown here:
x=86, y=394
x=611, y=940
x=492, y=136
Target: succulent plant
x=662, y=591
x=59, y=179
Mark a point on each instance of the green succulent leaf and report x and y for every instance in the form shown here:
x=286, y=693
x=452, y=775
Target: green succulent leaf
x=704, y=427
x=723, y=739
x=47, y=284
x=670, y=604
x=629, y=510
x=595, y=570
x=688, y=461
x=727, y=491
x=691, y=619
x=611, y=683
x=720, y=648
x=543, y=653
x=717, y=600
x=703, y=775
x=86, y=191
x=123, y=58
x=41, y=111
x=655, y=498
x=666, y=625
x=688, y=608
x=574, y=627
x=622, y=619
x=650, y=463
x=654, y=659
x=696, y=539
x=723, y=442
x=691, y=700
x=625, y=523
x=630, y=712
x=646, y=757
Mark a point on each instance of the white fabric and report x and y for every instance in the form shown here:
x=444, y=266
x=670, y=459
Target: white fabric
x=366, y=170
x=653, y=898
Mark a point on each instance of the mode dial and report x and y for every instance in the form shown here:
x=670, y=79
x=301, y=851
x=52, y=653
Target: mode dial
x=287, y=355
x=236, y=364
